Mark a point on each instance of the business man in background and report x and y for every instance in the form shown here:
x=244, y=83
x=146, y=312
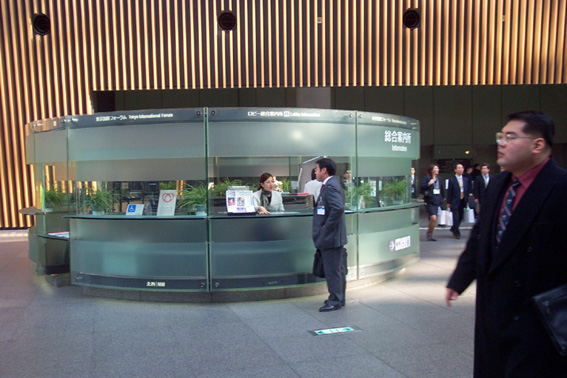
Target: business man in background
x=458, y=194
x=329, y=233
x=480, y=184
x=517, y=249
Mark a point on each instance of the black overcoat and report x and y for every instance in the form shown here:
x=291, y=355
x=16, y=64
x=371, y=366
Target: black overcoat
x=510, y=340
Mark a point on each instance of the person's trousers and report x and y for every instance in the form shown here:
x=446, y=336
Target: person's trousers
x=335, y=265
x=458, y=217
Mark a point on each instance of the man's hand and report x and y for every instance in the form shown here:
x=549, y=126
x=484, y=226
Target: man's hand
x=451, y=295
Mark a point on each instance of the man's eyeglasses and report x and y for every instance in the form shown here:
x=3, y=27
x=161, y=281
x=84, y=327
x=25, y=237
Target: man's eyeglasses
x=505, y=138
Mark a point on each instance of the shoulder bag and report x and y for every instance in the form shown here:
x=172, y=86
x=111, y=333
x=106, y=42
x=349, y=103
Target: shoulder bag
x=552, y=308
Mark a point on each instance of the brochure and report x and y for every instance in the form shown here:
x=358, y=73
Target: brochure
x=239, y=200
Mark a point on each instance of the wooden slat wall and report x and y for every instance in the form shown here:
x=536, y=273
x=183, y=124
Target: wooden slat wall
x=173, y=44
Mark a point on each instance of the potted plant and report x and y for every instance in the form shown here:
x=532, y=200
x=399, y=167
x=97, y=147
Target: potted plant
x=396, y=190
x=285, y=185
x=364, y=193
x=192, y=199
x=53, y=199
x=100, y=201
x=219, y=190
x=168, y=185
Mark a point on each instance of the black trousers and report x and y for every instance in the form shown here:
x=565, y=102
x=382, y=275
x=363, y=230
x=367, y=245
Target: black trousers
x=458, y=216
x=335, y=265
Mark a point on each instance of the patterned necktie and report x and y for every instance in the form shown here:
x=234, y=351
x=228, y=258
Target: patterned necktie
x=506, y=210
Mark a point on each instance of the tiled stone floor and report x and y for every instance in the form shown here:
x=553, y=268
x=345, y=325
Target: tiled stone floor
x=406, y=330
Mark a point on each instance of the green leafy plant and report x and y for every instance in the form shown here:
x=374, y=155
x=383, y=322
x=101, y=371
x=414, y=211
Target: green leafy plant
x=189, y=199
x=364, y=191
x=54, y=198
x=219, y=190
x=100, y=200
x=396, y=189
x=167, y=185
x=286, y=185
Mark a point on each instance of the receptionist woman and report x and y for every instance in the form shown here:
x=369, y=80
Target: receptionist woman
x=266, y=199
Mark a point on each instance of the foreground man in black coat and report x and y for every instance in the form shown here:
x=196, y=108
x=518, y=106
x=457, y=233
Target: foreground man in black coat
x=517, y=249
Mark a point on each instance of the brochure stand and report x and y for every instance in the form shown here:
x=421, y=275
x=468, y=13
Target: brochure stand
x=239, y=200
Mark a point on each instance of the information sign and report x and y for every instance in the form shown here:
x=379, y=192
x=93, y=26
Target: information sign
x=334, y=331
x=239, y=200
x=167, y=201
x=135, y=210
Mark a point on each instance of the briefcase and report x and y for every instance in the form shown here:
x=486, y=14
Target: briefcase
x=552, y=308
x=318, y=270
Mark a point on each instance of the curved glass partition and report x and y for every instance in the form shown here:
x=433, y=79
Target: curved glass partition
x=153, y=197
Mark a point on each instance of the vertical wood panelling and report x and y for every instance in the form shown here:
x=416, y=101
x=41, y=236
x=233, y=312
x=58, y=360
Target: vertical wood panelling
x=561, y=48
x=176, y=44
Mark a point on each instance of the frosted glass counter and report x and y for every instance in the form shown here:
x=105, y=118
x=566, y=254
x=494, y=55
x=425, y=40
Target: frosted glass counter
x=136, y=154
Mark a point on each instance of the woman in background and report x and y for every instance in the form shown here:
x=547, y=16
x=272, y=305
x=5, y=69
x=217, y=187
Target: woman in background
x=266, y=199
x=433, y=194
x=313, y=187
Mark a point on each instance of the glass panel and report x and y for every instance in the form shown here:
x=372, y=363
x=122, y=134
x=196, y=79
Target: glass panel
x=245, y=143
x=173, y=249
x=125, y=158
x=386, y=145
x=53, y=184
x=385, y=236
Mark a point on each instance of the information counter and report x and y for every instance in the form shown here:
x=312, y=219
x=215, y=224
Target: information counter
x=100, y=164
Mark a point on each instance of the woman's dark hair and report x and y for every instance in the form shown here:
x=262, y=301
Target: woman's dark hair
x=313, y=175
x=430, y=169
x=537, y=123
x=263, y=178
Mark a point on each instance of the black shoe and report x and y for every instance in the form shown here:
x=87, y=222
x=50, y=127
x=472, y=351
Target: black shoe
x=430, y=238
x=327, y=308
x=327, y=302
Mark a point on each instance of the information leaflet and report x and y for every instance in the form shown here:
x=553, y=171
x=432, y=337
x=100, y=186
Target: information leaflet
x=239, y=200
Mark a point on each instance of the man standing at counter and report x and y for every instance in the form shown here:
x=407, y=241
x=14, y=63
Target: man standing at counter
x=329, y=233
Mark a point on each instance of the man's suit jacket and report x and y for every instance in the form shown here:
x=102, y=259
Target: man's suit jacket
x=454, y=191
x=329, y=229
x=531, y=259
x=480, y=187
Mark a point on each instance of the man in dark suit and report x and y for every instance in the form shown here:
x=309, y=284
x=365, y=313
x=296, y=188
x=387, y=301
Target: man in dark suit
x=517, y=249
x=481, y=183
x=329, y=233
x=457, y=196
x=413, y=184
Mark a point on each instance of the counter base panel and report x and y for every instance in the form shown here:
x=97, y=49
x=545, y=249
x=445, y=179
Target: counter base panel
x=137, y=283
x=242, y=295
x=50, y=255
